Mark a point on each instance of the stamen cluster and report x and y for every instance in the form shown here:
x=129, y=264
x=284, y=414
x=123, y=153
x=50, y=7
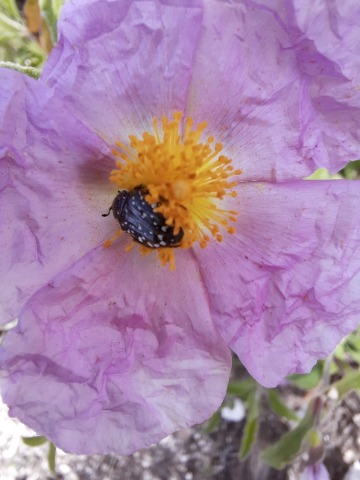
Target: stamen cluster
x=185, y=178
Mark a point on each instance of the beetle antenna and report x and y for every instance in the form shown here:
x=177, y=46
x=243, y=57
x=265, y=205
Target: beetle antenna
x=107, y=214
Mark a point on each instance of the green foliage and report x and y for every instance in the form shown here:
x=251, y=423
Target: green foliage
x=34, y=441
x=52, y=457
x=350, y=348
x=242, y=388
x=17, y=44
x=349, y=382
x=352, y=170
x=39, y=440
x=31, y=71
x=323, y=174
x=279, y=407
x=251, y=426
x=50, y=10
x=9, y=8
x=289, y=446
x=310, y=380
x=213, y=423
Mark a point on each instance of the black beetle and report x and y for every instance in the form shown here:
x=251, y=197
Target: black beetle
x=137, y=217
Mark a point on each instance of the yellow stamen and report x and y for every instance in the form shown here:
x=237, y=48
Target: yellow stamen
x=186, y=178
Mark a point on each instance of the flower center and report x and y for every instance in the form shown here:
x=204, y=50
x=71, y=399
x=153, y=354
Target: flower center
x=183, y=180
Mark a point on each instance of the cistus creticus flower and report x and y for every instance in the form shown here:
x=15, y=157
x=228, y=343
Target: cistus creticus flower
x=207, y=115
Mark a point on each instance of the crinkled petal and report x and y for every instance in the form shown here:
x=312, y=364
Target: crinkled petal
x=327, y=42
x=276, y=81
x=53, y=189
x=115, y=353
x=121, y=63
x=285, y=288
x=280, y=89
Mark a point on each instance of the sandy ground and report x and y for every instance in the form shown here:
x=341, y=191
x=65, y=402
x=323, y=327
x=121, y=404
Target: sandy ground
x=187, y=455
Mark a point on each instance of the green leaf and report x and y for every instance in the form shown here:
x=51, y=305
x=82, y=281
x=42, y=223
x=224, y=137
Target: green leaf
x=288, y=447
x=34, y=441
x=352, y=347
x=323, y=174
x=313, y=438
x=278, y=407
x=242, y=388
x=9, y=8
x=340, y=351
x=251, y=427
x=30, y=71
x=212, y=423
x=354, y=337
x=249, y=436
x=51, y=10
x=10, y=27
x=308, y=381
x=50, y=17
x=57, y=6
x=51, y=457
x=351, y=381
x=314, y=447
x=352, y=170
x=354, y=355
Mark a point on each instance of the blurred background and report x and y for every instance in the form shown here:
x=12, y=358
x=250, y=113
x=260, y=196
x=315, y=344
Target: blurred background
x=306, y=429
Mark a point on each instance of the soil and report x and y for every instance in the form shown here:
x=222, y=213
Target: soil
x=189, y=454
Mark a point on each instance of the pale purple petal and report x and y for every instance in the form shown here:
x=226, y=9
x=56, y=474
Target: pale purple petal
x=121, y=63
x=115, y=353
x=285, y=288
x=266, y=76
x=315, y=472
x=327, y=46
x=53, y=189
x=280, y=89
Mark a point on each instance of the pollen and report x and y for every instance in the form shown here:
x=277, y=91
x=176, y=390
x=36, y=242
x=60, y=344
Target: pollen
x=186, y=179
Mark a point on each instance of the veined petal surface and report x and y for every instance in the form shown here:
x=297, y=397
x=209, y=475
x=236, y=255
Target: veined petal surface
x=112, y=351
x=53, y=189
x=280, y=98
x=115, y=353
x=282, y=103
x=121, y=63
x=286, y=290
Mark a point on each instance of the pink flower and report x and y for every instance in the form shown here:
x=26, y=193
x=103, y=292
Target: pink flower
x=113, y=351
